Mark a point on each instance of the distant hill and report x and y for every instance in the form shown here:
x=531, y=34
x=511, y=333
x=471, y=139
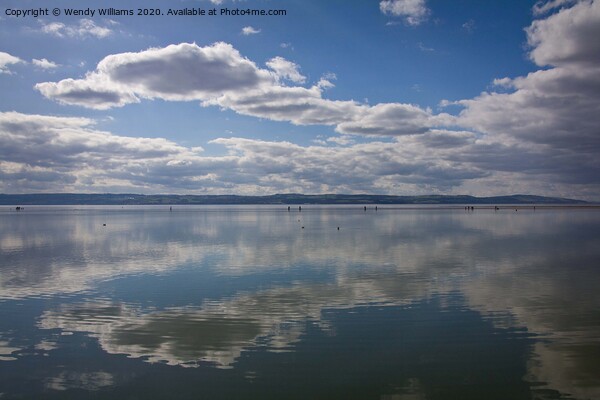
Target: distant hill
x=292, y=198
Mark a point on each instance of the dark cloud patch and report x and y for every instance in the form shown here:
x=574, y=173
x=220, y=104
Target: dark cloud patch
x=388, y=119
x=91, y=93
x=446, y=139
x=93, y=98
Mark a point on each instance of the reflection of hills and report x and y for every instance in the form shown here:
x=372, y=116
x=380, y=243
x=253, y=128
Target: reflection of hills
x=519, y=270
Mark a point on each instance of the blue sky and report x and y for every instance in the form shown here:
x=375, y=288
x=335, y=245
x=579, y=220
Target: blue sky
x=394, y=96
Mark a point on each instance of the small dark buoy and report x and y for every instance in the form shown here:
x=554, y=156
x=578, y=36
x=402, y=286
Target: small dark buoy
x=365, y=208
x=375, y=208
x=103, y=224
x=302, y=227
x=338, y=228
x=300, y=208
x=288, y=208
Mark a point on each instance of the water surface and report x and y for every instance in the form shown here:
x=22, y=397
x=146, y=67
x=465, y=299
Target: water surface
x=258, y=302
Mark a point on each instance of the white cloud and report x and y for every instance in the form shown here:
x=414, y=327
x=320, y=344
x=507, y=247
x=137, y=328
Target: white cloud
x=567, y=37
x=414, y=12
x=285, y=69
x=299, y=105
x=44, y=63
x=325, y=81
x=424, y=48
x=176, y=72
x=54, y=28
x=248, y=30
x=6, y=60
x=501, y=82
x=469, y=26
x=341, y=140
x=95, y=91
x=85, y=28
x=39, y=152
x=556, y=108
x=539, y=128
x=42, y=153
x=325, y=84
x=218, y=75
x=388, y=119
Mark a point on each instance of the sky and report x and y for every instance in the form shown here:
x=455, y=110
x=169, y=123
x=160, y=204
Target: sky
x=401, y=97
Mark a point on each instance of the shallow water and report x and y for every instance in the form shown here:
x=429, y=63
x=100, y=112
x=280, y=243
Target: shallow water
x=258, y=302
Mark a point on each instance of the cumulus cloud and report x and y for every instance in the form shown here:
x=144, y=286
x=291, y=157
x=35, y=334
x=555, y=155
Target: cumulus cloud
x=539, y=128
x=388, y=119
x=377, y=167
x=285, y=69
x=567, y=38
x=414, y=12
x=550, y=116
x=41, y=153
x=84, y=29
x=325, y=81
x=95, y=91
x=249, y=30
x=6, y=60
x=46, y=151
x=219, y=75
x=340, y=140
x=176, y=72
x=44, y=63
x=53, y=28
x=299, y=105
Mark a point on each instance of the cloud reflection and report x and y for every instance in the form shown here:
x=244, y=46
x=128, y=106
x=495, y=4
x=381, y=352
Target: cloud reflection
x=79, y=380
x=522, y=270
x=7, y=351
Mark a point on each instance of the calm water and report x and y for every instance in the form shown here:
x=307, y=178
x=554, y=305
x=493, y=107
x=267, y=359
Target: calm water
x=242, y=302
